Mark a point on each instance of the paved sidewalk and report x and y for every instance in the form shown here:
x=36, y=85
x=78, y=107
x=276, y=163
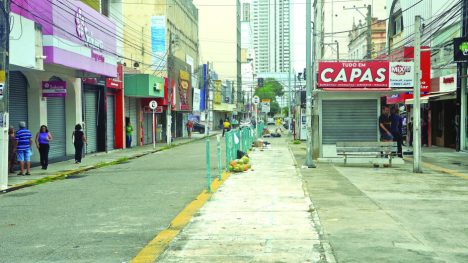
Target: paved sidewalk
x=91, y=161
x=257, y=216
x=390, y=214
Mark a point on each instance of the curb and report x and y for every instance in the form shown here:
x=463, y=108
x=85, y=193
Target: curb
x=64, y=175
x=159, y=244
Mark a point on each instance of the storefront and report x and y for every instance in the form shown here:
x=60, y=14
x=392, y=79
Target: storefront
x=78, y=55
x=349, y=99
x=140, y=89
x=115, y=111
x=182, y=97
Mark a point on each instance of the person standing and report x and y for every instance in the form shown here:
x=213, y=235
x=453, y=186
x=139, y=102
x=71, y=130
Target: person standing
x=79, y=140
x=189, y=126
x=385, y=125
x=11, y=149
x=43, y=138
x=396, y=129
x=128, y=134
x=23, y=148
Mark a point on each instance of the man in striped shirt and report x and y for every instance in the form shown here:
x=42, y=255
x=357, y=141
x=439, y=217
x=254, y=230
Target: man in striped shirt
x=23, y=148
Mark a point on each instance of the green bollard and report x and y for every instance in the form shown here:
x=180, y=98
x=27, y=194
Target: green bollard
x=218, y=140
x=208, y=165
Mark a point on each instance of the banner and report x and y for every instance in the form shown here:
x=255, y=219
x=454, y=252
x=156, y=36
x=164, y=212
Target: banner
x=218, y=97
x=158, y=42
x=374, y=74
x=196, y=100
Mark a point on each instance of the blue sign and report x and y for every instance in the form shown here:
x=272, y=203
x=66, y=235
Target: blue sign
x=158, y=42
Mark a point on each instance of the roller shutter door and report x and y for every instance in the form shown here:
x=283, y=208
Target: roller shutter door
x=90, y=112
x=18, y=100
x=131, y=112
x=148, y=127
x=110, y=122
x=57, y=126
x=349, y=120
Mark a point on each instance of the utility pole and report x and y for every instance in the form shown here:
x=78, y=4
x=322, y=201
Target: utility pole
x=462, y=94
x=369, y=32
x=309, y=160
x=170, y=65
x=417, y=95
x=316, y=145
x=289, y=95
x=4, y=70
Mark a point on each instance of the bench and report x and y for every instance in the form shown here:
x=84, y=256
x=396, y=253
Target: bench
x=367, y=149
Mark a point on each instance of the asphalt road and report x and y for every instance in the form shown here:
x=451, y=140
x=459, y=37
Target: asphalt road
x=105, y=215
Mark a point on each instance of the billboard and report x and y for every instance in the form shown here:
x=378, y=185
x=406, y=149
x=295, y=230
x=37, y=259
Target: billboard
x=460, y=49
x=158, y=42
x=401, y=75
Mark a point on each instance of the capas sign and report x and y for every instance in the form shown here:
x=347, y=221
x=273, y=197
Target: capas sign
x=373, y=74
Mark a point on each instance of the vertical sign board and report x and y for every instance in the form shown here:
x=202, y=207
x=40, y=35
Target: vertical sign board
x=158, y=41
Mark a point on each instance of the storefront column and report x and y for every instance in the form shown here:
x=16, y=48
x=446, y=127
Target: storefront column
x=37, y=110
x=73, y=110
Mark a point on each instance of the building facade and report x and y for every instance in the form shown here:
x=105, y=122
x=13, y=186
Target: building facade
x=272, y=35
x=357, y=46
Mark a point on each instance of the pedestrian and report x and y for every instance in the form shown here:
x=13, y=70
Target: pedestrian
x=79, y=140
x=11, y=149
x=43, y=138
x=226, y=126
x=396, y=129
x=221, y=123
x=23, y=148
x=410, y=131
x=128, y=134
x=189, y=126
x=385, y=125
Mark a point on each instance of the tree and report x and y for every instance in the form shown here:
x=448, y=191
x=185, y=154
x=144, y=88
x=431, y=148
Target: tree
x=285, y=111
x=270, y=90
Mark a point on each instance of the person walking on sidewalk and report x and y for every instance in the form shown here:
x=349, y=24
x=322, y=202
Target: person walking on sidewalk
x=396, y=129
x=128, y=133
x=385, y=124
x=23, y=148
x=43, y=138
x=79, y=140
x=189, y=126
x=11, y=149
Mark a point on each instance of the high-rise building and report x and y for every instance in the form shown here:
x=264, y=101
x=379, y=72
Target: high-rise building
x=272, y=33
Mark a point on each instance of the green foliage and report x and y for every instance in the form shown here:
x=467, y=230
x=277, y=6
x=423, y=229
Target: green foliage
x=296, y=142
x=285, y=111
x=270, y=90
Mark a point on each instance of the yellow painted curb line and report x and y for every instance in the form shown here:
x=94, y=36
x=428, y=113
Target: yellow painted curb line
x=441, y=169
x=158, y=245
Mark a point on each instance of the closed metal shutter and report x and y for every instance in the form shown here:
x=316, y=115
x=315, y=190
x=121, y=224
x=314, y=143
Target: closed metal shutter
x=18, y=100
x=148, y=127
x=349, y=120
x=57, y=126
x=90, y=113
x=110, y=122
x=131, y=112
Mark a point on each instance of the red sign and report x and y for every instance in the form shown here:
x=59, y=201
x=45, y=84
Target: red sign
x=363, y=74
x=116, y=83
x=425, y=66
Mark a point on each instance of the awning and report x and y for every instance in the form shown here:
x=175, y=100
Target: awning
x=434, y=97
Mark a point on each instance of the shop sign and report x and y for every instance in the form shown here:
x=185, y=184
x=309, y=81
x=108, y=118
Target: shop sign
x=218, y=98
x=196, y=100
x=265, y=107
x=117, y=82
x=460, y=49
x=448, y=83
x=374, y=74
x=184, y=89
x=54, y=89
x=401, y=75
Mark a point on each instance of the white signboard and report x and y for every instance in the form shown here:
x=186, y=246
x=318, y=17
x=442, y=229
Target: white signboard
x=256, y=100
x=401, y=75
x=153, y=104
x=196, y=100
x=448, y=83
x=265, y=107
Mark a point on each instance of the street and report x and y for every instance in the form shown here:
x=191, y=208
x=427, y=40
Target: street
x=104, y=215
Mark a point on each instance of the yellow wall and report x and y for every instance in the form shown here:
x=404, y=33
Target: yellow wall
x=137, y=31
x=95, y=4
